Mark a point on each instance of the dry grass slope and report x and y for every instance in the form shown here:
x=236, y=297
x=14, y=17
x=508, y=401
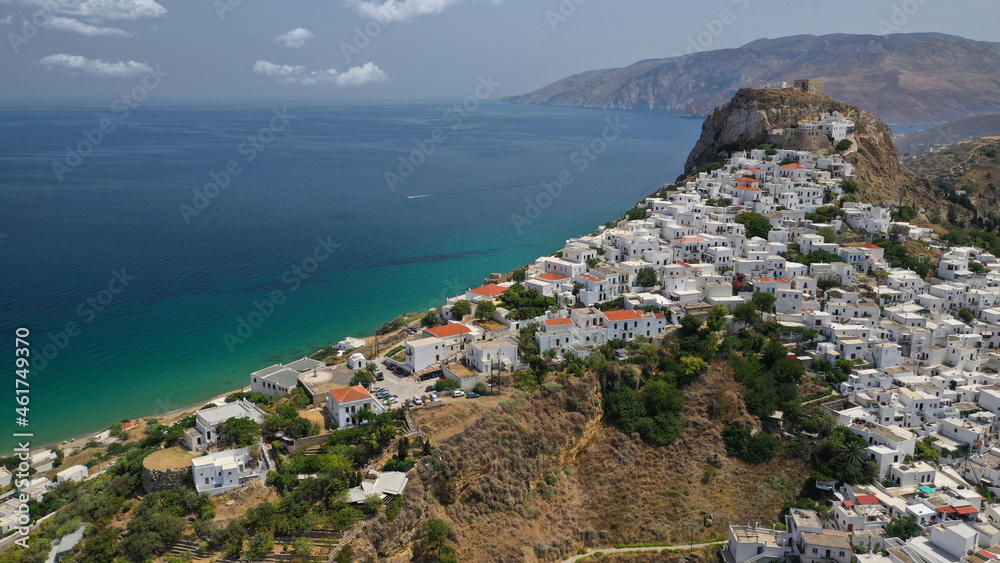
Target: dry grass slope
x=544, y=477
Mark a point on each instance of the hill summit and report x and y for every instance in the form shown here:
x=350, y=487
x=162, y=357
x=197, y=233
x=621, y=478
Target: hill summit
x=743, y=123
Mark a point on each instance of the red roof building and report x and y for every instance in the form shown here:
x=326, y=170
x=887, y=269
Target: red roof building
x=614, y=316
x=558, y=322
x=793, y=166
x=489, y=290
x=552, y=277
x=446, y=331
x=867, y=500
x=350, y=394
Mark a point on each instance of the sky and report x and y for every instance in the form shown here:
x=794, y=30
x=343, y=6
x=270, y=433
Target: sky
x=363, y=50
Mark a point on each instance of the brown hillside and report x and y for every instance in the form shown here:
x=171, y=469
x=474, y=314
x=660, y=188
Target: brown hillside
x=971, y=164
x=545, y=476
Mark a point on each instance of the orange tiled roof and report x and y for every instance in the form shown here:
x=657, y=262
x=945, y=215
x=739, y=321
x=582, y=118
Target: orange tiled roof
x=489, y=290
x=558, y=322
x=351, y=394
x=794, y=166
x=622, y=315
x=453, y=329
x=552, y=277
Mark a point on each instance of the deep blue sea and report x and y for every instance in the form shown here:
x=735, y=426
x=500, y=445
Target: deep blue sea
x=150, y=288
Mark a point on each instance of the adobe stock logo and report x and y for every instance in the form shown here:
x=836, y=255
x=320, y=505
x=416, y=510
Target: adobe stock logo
x=581, y=160
x=292, y=278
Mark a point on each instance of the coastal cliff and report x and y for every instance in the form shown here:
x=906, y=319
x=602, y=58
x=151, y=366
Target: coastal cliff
x=743, y=122
x=905, y=78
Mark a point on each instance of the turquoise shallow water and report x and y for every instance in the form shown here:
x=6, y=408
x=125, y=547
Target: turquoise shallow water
x=159, y=343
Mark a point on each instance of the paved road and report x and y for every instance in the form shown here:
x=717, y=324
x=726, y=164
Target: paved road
x=610, y=550
x=403, y=386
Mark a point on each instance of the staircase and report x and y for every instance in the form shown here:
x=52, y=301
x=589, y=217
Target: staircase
x=411, y=426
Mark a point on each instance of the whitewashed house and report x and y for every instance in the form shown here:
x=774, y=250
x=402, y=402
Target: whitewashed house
x=343, y=405
x=219, y=472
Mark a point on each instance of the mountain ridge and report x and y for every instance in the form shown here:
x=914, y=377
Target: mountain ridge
x=918, y=78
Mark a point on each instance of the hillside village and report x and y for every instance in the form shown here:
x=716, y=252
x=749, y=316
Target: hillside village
x=916, y=344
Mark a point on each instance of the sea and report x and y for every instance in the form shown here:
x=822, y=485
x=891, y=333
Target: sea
x=157, y=256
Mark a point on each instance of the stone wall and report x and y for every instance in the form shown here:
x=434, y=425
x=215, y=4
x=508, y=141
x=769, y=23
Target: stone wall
x=159, y=480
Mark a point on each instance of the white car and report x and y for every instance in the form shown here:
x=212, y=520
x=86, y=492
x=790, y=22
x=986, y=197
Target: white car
x=458, y=393
x=417, y=401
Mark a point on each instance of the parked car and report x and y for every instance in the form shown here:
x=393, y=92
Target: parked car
x=417, y=401
x=434, y=396
x=472, y=395
x=408, y=402
x=429, y=389
x=458, y=393
x=425, y=398
x=379, y=377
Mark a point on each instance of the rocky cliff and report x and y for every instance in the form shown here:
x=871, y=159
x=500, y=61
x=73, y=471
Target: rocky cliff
x=743, y=122
x=913, y=78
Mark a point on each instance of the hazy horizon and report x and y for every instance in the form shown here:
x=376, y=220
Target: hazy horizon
x=397, y=50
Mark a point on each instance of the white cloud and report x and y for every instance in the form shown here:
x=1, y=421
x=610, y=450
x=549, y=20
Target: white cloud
x=74, y=64
x=355, y=76
x=104, y=9
x=385, y=11
x=76, y=26
x=294, y=38
x=7, y=20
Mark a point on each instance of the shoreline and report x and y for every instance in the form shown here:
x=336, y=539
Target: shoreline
x=79, y=441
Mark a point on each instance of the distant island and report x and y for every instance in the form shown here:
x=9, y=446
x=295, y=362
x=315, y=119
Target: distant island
x=911, y=78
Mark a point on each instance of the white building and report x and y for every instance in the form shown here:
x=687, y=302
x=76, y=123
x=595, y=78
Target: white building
x=223, y=471
x=76, y=473
x=206, y=430
x=343, y=405
x=274, y=381
x=484, y=356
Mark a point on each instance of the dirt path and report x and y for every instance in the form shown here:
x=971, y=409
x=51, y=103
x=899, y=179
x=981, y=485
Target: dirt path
x=611, y=550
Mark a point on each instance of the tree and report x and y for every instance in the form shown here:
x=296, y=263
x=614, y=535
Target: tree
x=645, y=277
x=624, y=407
x=764, y=302
x=240, y=431
x=690, y=325
x=758, y=448
x=746, y=313
x=717, y=318
x=461, y=308
x=436, y=534
x=757, y=225
x=828, y=235
x=844, y=145
x=519, y=274
x=977, y=267
x=903, y=528
x=966, y=315
x=431, y=318
x=372, y=503
x=303, y=546
x=402, y=448
x=481, y=388
x=485, y=310
x=260, y=546
x=363, y=377
x=905, y=213
x=636, y=213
